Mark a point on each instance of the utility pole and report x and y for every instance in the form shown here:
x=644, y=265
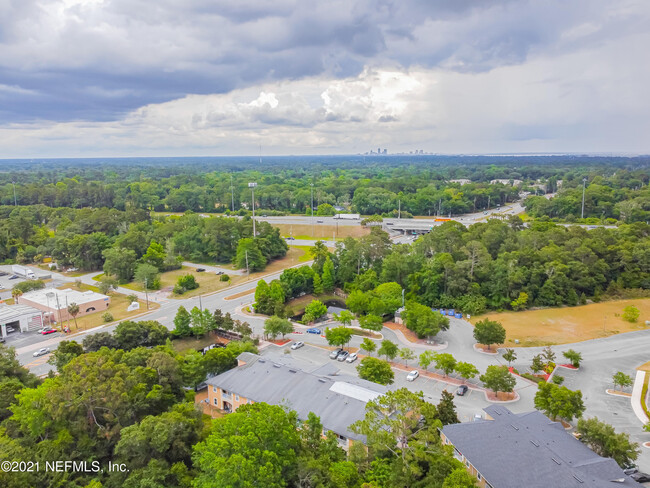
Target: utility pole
x=232, y=193
x=146, y=294
x=584, y=184
x=312, y=209
x=14, y=183
x=399, y=209
x=252, y=187
x=247, y=270
x=200, y=303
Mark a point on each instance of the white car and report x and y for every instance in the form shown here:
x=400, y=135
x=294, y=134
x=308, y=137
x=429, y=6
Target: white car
x=412, y=376
x=297, y=345
x=351, y=358
x=41, y=351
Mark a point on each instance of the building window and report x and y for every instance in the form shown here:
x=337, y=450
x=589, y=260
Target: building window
x=467, y=464
x=237, y=397
x=225, y=392
x=215, y=402
x=214, y=389
x=478, y=475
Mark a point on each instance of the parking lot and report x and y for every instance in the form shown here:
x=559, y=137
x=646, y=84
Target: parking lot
x=7, y=283
x=467, y=406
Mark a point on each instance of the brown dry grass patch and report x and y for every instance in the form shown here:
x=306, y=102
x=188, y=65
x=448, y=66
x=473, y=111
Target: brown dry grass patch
x=569, y=324
x=321, y=231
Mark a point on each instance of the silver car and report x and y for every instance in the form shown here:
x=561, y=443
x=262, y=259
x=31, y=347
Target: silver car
x=335, y=353
x=297, y=345
x=351, y=358
x=42, y=351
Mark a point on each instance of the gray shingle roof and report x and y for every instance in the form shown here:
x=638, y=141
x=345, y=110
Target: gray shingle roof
x=528, y=450
x=268, y=381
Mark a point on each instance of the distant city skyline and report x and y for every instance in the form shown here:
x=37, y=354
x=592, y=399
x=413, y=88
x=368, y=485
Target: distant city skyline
x=340, y=77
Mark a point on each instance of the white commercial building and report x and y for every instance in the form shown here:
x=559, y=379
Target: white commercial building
x=19, y=317
x=54, y=303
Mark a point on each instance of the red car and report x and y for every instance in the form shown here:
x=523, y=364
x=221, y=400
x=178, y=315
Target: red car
x=48, y=331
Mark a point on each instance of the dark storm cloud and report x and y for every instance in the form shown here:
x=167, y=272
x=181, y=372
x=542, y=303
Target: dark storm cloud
x=96, y=60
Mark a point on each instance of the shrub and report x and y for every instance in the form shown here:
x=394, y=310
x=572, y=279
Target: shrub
x=188, y=282
x=224, y=277
x=557, y=379
x=532, y=377
x=107, y=317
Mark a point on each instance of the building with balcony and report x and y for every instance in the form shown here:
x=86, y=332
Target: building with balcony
x=339, y=400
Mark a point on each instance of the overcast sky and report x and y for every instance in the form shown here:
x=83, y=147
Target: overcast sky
x=220, y=77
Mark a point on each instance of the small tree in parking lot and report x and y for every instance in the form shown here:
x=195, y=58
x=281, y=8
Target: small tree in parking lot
x=446, y=362
x=388, y=349
x=368, y=345
x=574, y=357
x=466, y=370
x=338, y=336
x=376, y=370
x=489, y=332
x=510, y=355
x=622, y=380
x=498, y=378
x=406, y=354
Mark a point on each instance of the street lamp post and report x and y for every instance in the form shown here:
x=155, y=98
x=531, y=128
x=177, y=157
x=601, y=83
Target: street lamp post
x=252, y=186
x=584, y=184
x=146, y=294
x=232, y=193
x=312, y=209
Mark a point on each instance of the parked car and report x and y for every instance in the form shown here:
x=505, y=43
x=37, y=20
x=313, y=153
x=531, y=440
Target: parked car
x=335, y=353
x=477, y=417
x=291, y=238
x=1, y=286
x=640, y=477
x=630, y=469
x=10, y=329
x=314, y=331
x=47, y=331
x=2, y=340
x=13, y=277
x=462, y=389
x=389, y=223
x=351, y=358
x=3, y=273
x=412, y=376
x=200, y=270
x=342, y=356
x=319, y=221
x=218, y=273
x=42, y=351
x=297, y=345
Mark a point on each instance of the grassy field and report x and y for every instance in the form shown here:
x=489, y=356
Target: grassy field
x=209, y=282
x=195, y=343
x=117, y=309
x=321, y=231
x=569, y=324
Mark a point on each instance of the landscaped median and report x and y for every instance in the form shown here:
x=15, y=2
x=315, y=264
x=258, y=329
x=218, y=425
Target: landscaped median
x=640, y=393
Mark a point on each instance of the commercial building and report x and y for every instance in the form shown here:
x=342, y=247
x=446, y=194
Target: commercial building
x=19, y=318
x=528, y=450
x=54, y=303
x=339, y=400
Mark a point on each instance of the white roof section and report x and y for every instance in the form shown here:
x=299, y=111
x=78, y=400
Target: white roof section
x=11, y=313
x=354, y=391
x=48, y=297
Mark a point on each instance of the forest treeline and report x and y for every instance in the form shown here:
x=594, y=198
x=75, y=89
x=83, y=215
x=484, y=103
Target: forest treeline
x=491, y=265
x=616, y=188
x=86, y=238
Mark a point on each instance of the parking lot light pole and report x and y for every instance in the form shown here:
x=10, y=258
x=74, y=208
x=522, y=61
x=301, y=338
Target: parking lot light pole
x=252, y=186
x=584, y=184
x=312, y=209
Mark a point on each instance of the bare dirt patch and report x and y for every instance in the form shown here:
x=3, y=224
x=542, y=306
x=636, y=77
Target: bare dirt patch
x=568, y=324
x=304, y=231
